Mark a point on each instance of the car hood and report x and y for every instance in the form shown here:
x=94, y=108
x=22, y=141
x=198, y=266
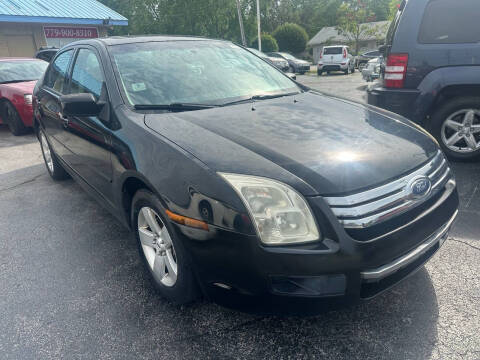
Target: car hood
x=334, y=146
x=25, y=87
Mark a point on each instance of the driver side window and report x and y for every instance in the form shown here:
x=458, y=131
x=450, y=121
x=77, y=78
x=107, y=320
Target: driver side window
x=87, y=75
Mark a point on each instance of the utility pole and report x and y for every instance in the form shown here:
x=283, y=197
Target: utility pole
x=258, y=25
x=240, y=20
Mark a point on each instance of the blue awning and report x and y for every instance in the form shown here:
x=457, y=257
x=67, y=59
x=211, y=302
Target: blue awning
x=82, y=12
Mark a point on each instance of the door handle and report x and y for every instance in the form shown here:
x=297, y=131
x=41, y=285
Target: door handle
x=63, y=118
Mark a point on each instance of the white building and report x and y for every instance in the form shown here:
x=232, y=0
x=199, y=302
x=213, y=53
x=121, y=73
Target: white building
x=374, y=34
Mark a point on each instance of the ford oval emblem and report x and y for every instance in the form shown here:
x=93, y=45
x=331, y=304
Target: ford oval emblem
x=420, y=187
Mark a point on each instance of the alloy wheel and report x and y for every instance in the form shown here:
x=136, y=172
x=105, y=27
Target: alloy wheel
x=461, y=131
x=47, y=154
x=157, y=246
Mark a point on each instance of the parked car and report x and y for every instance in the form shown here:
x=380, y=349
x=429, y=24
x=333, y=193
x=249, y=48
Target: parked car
x=17, y=80
x=363, y=59
x=297, y=66
x=239, y=183
x=46, y=53
x=432, y=72
x=280, y=63
x=335, y=58
x=372, y=70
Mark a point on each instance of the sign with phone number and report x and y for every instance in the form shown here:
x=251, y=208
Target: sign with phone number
x=70, y=32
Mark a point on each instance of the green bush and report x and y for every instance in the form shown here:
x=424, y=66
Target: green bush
x=291, y=37
x=268, y=43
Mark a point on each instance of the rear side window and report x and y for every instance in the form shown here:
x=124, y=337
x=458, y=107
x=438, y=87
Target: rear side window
x=450, y=22
x=57, y=73
x=332, y=51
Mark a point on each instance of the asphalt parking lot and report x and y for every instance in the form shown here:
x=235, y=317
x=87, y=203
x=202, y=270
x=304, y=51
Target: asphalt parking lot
x=72, y=285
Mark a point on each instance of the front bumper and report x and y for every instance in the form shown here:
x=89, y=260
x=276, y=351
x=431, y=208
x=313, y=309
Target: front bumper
x=26, y=114
x=235, y=270
x=302, y=68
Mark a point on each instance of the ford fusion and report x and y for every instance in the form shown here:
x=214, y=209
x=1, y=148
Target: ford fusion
x=239, y=184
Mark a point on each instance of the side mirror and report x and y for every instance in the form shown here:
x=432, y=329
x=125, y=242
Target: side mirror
x=83, y=104
x=292, y=76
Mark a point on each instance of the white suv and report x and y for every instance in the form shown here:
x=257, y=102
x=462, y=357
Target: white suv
x=336, y=58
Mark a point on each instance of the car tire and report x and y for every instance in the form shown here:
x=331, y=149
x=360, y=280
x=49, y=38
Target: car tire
x=54, y=168
x=464, y=111
x=13, y=120
x=162, y=251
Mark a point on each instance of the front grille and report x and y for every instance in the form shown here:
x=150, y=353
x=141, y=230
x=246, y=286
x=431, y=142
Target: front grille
x=365, y=211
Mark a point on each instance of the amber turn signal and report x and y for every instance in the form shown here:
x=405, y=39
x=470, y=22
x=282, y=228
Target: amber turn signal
x=183, y=220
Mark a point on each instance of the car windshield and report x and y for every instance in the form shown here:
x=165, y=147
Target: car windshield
x=332, y=51
x=194, y=72
x=17, y=71
x=257, y=52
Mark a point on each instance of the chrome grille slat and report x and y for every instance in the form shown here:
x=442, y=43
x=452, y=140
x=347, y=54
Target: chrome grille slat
x=438, y=170
x=374, y=206
x=384, y=189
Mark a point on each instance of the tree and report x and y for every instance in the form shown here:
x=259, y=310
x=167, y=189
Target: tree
x=291, y=37
x=352, y=16
x=394, y=4
x=269, y=43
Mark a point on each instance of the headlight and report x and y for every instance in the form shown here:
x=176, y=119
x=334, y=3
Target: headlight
x=280, y=214
x=28, y=99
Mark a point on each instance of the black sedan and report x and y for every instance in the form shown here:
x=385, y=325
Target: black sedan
x=237, y=183
x=296, y=65
x=280, y=63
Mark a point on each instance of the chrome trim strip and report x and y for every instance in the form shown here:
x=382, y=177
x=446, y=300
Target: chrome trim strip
x=383, y=190
x=442, y=179
x=450, y=186
x=440, y=167
x=378, y=218
x=388, y=269
x=388, y=203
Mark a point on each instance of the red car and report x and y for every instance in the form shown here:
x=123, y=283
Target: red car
x=18, y=77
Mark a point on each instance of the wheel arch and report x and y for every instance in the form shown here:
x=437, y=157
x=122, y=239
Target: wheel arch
x=441, y=85
x=130, y=184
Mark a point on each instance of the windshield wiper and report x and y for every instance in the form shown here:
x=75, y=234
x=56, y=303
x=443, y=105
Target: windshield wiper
x=174, y=106
x=260, y=97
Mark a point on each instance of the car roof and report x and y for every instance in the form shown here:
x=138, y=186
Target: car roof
x=332, y=46
x=119, y=40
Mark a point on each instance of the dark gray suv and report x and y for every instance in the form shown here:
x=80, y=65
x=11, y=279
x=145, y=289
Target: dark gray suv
x=432, y=72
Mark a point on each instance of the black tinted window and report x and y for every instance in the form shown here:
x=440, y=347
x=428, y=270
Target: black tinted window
x=450, y=22
x=332, y=51
x=87, y=76
x=57, y=72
